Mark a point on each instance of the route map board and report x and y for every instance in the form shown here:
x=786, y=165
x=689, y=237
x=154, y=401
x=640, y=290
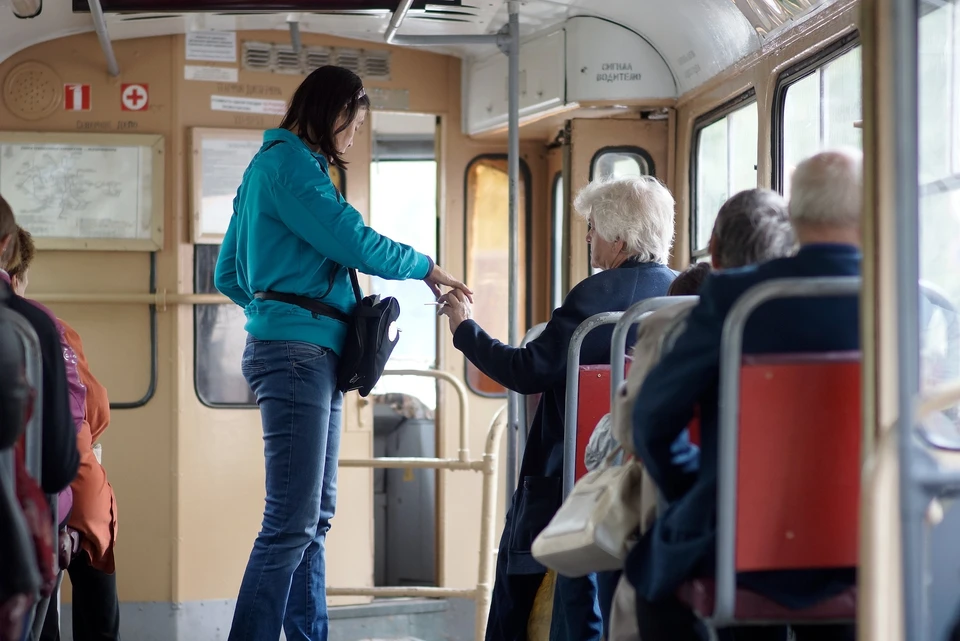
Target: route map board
x=85, y=191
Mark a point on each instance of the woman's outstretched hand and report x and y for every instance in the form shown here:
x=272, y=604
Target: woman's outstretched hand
x=438, y=277
x=455, y=305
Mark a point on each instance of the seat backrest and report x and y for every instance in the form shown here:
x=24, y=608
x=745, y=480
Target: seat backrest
x=798, y=475
x=593, y=402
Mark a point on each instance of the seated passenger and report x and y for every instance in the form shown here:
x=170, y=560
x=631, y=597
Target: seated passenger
x=630, y=230
x=689, y=281
x=92, y=527
x=825, y=209
x=60, y=459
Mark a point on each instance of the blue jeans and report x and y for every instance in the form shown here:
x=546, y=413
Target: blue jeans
x=285, y=580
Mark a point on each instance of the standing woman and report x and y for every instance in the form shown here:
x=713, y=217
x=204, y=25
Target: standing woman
x=292, y=233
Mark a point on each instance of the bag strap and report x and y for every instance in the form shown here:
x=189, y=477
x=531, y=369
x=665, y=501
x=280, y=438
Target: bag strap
x=356, y=285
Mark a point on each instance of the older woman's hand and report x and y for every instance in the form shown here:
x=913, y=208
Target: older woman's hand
x=455, y=305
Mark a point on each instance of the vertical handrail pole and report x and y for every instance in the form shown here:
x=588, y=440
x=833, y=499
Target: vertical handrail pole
x=488, y=532
x=100, y=26
x=618, y=343
x=517, y=432
x=572, y=400
x=903, y=43
x=728, y=417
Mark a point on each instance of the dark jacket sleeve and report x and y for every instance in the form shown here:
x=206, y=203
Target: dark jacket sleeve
x=60, y=458
x=541, y=364
x=669, y=394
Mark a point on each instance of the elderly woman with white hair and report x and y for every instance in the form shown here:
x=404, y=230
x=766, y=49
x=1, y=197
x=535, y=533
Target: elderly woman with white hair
x=630, y=230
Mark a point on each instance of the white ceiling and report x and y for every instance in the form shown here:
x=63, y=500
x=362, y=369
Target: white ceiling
x=697, y=38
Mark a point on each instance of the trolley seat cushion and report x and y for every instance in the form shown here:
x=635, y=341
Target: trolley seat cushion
x=798, y=480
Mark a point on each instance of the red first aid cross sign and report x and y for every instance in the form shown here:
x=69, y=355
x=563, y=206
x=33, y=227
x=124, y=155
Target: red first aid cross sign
x=134, y=97
x=76, y=97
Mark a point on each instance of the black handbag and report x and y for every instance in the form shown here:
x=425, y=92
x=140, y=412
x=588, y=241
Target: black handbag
x=372, y=333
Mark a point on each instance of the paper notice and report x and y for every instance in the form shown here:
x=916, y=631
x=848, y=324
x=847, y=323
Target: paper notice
x=210, y=74
x=215, y=46
x=248, y=105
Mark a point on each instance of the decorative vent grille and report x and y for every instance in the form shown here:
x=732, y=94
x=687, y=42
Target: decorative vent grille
x=349, y=59
x=287, y=60
x=315, y=57
x=280, y=58
x=376, y=64
x=257, y=56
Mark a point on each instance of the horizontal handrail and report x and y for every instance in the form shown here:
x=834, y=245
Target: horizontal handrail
x=731, y=354
x=390, y=463
x=459, y=388
x=162, y=299
x=488, y=466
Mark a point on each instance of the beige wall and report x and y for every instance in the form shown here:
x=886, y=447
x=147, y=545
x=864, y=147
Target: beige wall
x=189, y=478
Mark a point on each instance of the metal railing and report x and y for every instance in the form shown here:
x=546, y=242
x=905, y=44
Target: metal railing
x=572, y=400
x=618, y=343
x=731, y=356
x=487, y=466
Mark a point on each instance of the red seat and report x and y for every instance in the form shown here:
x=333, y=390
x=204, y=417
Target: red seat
x=798, y=478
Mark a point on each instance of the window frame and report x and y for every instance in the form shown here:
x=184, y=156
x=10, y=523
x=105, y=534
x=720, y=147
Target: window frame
x=558, y=281
x=618, y=149
x=342, y=187
x=703, y=121
x=527, y=311
x=790, y=76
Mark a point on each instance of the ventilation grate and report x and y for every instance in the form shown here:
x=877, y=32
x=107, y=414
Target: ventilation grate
x=32, y=91
x=286, y=60
x=280, y=58
x=257, y=56
x=315, y=57
x=349, y=59
x=376, y=65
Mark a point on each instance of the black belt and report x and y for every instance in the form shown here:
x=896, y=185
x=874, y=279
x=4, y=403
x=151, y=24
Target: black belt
x=315, y=307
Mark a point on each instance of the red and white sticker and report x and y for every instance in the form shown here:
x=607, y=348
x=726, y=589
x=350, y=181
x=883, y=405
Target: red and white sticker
x=76, y=97
x=134, y=97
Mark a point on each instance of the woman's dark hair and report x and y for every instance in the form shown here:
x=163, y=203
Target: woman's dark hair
x=324, y=105
x=688, y=283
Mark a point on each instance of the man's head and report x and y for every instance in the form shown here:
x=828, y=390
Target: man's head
x=8, y=234
x=19, y=266
x=751, y=227
x=826, y=197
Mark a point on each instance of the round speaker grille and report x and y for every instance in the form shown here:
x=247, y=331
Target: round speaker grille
x=32, y=91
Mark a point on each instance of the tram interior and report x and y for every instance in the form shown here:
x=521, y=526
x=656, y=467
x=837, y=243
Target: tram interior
x=709, y=96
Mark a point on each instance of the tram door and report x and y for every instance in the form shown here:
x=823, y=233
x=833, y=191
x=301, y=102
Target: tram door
x=602, y=148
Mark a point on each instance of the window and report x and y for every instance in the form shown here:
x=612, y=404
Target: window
x=218, y=334
x=939, y=224
x=725, y=149
x=820, y=104
x=558, y=272
x=618, y=162
x=487, y=252
x=408, y=216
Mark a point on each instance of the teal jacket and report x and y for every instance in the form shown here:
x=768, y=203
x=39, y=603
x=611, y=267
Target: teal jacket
x=292, y=232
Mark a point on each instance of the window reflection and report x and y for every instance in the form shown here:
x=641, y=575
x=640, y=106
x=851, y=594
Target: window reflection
x=726, y=164
x=488, y=255
x=219, y=336
x=820, y=112
x=939, y=178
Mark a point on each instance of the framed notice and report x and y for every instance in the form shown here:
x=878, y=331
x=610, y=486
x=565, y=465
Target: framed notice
x=220, y=156
x=85, y=191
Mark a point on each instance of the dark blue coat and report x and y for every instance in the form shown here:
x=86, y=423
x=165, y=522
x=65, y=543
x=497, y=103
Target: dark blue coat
x=680, y=546
x=540, y=367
